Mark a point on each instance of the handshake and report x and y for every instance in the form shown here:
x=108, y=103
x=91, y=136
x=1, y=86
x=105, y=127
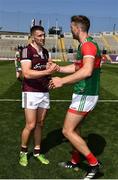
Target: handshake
x=55, y=82
x=52, y=67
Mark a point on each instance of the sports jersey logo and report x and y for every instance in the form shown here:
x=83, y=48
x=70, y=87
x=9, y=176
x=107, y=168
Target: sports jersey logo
x=35, y=55
x=40, y=66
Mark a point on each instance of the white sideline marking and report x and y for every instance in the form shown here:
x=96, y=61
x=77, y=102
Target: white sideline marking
x=60, y=100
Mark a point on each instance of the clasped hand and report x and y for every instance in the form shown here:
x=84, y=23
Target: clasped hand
x=55, y=82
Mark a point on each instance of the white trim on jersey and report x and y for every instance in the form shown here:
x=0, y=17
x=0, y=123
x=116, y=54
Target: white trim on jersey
x=25, y=60
x=24, y=53
x=89, y=56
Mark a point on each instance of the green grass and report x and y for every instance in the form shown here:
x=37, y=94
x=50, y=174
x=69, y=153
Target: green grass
x=99, y=130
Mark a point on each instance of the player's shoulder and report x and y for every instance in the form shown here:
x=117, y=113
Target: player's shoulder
x=26, y=52
x=27, y=47
x=88, y=45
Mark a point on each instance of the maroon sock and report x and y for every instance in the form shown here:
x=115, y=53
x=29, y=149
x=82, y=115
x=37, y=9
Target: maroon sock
x=24, y=149
x=36, y=152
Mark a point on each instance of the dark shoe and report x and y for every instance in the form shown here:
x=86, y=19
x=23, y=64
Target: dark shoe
x=92, y=173
x=69, y=165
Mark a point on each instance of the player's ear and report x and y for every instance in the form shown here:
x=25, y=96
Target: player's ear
x=78, y=28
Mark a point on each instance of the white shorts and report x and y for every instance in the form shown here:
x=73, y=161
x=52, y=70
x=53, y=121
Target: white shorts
x=35, y=100
x=82, y=103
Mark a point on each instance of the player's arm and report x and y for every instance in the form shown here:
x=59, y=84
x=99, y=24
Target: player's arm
x=33, y=74
x=89, y=52
x=63, y=69
x=67, y=69
x=82, y=73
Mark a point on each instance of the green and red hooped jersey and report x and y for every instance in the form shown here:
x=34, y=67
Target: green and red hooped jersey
x=90, y=85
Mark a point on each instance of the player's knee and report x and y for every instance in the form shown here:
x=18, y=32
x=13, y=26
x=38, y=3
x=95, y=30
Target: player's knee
x=30, y=126
x=64, y=132
x=40, y=124
x=67, y=132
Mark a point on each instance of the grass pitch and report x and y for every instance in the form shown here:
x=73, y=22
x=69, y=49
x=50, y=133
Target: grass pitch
x=99, y=130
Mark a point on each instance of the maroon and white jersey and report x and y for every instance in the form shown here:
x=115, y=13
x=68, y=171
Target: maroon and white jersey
x=38, y=62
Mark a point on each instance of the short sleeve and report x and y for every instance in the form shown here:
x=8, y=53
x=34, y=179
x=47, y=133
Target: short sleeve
x=89, y=49
x=25, y=55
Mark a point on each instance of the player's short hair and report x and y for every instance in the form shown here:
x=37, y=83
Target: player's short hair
x=35, y=28
x=83, y=21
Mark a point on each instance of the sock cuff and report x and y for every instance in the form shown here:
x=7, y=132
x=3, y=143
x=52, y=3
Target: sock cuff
x=24, y=149
x=36, y=151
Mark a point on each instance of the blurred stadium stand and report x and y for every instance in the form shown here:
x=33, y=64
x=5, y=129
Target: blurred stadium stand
x=9, y=41
x=58, y=45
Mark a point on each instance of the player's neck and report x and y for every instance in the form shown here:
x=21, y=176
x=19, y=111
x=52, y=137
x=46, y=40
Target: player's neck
x=38, y=48
x=83, y=37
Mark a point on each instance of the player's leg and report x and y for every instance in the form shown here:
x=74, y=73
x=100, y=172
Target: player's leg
x=41, y=114
x=70, y=124
x=75, y=157
x=30, y=110
x=30, y=116
x=43, y=106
